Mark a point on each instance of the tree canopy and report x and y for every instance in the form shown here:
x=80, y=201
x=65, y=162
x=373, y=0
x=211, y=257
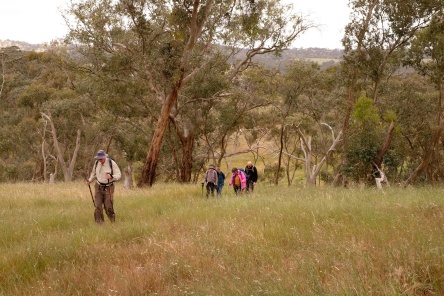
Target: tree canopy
x=168, y=87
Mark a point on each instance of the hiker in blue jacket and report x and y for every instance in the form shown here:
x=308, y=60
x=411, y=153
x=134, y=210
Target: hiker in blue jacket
x=220, y=182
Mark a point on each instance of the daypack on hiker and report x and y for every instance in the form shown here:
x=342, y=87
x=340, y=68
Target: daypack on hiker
x=110, y=165
x=241, y=169
x=212, y=178
x=242, y=178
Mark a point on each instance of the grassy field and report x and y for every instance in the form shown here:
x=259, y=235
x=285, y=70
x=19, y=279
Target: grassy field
x=168, y=240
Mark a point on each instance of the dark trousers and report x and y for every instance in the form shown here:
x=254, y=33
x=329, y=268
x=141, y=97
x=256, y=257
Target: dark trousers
x=210, y=188
x=103, y=198
x=237, y=189
x=250, y=186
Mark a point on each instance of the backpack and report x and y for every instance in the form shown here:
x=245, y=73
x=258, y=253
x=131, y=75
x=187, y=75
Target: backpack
x=110, y=165
x=245, y=174
x=215, y=175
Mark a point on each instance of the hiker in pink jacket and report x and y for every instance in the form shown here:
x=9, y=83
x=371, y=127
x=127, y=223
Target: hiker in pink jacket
x=238, y=180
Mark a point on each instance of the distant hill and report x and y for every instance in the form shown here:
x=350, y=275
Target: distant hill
x=22, y=45
x=323, y=56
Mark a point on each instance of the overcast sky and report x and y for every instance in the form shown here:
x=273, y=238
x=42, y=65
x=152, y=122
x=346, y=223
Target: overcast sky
x=36, y=21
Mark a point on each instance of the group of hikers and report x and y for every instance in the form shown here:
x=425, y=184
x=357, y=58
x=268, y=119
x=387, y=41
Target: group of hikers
x=242, y=180
x=106, y=171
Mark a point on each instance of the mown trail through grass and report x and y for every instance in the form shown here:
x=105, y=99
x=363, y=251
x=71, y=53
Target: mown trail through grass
x=168, y=240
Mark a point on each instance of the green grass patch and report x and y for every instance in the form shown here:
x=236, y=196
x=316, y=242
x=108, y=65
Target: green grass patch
x=169, y=240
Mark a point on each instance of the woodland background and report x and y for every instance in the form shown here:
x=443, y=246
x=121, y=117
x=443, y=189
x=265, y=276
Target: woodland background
x=168, y=87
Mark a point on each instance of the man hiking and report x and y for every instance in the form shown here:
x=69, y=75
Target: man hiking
x=251, y=172
x=105, y=172
x=211, y=179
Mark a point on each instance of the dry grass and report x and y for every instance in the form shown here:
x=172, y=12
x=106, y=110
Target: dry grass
x=168, y=240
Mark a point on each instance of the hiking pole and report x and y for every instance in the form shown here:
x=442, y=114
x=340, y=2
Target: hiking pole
x=111, y=174
x=202, y=188
x=90, y=191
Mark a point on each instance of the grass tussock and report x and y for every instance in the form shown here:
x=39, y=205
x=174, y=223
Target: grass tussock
x=169, y=240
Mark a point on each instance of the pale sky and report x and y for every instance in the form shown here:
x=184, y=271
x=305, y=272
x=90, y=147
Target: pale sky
x=36, y=21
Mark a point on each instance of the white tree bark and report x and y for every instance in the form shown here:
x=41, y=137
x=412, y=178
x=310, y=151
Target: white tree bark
x=312, y=172
x=128, y=177
x=382, y=179
x=67, y=169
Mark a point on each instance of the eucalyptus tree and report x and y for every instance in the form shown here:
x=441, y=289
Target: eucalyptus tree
x=415, y=103
x=426, y=54
x=10, y=57
x=34, y=81
x=365, y=134
x=20, y=142
x=308, y=99
x=374, y=43
x=227, y=118
x=197, y=99
x=13, y=74
x=257, y=28
x=165, y=44
x=298, y=78
x=64, y=112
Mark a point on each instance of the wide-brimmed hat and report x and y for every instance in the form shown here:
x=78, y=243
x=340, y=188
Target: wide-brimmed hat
x=101, y=155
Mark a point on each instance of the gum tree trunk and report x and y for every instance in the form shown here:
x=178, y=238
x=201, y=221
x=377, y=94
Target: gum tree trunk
x=149, y=169
x=187, y=158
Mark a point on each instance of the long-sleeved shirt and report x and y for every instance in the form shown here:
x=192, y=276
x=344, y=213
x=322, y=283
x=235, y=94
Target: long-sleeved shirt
x=221, y=178
x=251, y=173
x=242, y=177
x=100, y=170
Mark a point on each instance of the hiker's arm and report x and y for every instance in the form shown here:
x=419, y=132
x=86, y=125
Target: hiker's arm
x=116, y=172
x=92, y=176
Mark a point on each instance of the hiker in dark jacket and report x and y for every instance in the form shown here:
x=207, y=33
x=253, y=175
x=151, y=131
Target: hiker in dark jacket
x=211, y=179
x=251, y=172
